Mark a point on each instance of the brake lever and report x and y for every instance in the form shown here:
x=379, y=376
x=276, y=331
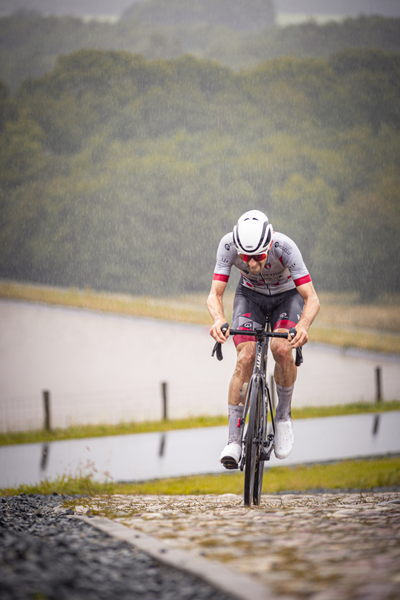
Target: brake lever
x=299, y=351
x=218, y=346
x=299, y=356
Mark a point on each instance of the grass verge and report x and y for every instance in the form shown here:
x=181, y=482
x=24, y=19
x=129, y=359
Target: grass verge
x=348, y=474
x=88, y=431
x=102, y=430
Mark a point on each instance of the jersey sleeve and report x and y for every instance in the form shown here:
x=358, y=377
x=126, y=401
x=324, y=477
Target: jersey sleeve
x=292, y=259
x=225, y=253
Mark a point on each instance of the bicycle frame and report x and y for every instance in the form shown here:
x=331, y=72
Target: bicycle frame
x=260, y=371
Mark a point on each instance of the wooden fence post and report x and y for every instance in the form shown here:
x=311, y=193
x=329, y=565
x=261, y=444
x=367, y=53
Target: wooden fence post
x=378, y=384
x=47, y=420
x=164, y=389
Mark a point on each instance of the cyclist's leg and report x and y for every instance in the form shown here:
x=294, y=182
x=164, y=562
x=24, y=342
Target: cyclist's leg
x=246, y=315
x=285, y=316
x=230, y=455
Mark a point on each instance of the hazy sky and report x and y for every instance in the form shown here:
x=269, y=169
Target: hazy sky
x=116, y=7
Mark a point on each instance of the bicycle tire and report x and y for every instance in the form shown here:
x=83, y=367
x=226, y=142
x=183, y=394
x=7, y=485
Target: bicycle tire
x=254, y=468
x=259, y=475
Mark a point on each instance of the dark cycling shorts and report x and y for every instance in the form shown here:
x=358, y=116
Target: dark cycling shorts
x=250, y=310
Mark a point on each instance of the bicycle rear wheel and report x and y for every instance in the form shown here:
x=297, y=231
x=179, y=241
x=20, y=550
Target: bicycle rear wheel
x=254, y=468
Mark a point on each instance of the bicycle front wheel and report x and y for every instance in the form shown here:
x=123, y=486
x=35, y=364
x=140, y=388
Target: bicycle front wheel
x=254, y=468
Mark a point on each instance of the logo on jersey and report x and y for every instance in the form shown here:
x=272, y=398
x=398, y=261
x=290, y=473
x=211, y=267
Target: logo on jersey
x=281, y=316
x=268, y=266
x=248, y=325
x=284, y=249
x=224, y=260
x=228, y=246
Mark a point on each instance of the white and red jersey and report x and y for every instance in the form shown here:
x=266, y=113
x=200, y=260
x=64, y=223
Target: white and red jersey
x=283, y=271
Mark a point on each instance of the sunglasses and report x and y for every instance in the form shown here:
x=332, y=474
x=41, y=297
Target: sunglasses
x=257, y=257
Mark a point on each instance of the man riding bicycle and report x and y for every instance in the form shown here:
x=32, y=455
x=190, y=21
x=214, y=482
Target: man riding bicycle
x=274, y=282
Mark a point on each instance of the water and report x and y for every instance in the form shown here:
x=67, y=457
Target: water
x=109, y=368
x=193, y=451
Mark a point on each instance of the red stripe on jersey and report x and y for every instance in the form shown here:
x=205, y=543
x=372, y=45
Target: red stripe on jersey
x=302, y=280
x=284, y=324
x=217, y=277
x=248, y=315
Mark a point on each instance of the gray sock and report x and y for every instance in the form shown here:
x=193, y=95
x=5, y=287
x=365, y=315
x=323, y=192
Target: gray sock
x=235, y=413
x=283, y=410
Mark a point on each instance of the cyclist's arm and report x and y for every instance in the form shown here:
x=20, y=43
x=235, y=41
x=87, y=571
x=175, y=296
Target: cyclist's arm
x=310, y=311
x=215, y=307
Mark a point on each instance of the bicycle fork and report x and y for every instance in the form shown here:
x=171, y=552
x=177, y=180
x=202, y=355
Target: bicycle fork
x=268, y=443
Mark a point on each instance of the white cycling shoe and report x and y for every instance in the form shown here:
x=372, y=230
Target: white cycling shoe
x=230, y=455
x=284, y=438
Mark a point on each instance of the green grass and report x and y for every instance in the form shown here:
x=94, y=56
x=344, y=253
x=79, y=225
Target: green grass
x=348, y=474
x=88, y=431
x=355, y=408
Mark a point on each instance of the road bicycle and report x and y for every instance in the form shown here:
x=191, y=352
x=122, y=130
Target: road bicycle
x=257, y=443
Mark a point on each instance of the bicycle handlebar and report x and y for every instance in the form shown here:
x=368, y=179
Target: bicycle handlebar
x=259, y=333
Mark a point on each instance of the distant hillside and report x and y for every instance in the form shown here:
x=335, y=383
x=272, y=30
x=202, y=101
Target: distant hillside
x=72, y=7
x=30, y=43
x=387, y=8
x=353, y=8
x=122, y=174
x=252, y=15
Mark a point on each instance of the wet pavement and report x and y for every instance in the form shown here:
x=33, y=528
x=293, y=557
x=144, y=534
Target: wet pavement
x=328, y=546
x=156, y=455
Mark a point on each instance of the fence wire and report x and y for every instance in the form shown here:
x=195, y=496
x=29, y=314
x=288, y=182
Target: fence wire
x=27, y=413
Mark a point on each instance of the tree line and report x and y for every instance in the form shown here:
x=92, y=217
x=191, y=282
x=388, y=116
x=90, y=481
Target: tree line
x=237, y=34
x=122, y=174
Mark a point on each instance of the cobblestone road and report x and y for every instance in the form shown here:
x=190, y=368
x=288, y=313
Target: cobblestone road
x=316, y=546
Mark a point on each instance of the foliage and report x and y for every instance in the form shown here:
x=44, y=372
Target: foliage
x=237, y=34
x=122, y=174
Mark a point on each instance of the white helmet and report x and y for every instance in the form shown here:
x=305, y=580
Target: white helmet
x=253, y=233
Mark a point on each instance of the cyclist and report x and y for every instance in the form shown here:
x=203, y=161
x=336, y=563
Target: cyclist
x=274, y=282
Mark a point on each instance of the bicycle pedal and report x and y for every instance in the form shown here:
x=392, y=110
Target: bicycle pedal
x=229, y=463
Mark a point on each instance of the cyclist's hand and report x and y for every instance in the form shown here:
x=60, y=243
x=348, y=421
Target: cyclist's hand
x=216, y=332
x=301, y=337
